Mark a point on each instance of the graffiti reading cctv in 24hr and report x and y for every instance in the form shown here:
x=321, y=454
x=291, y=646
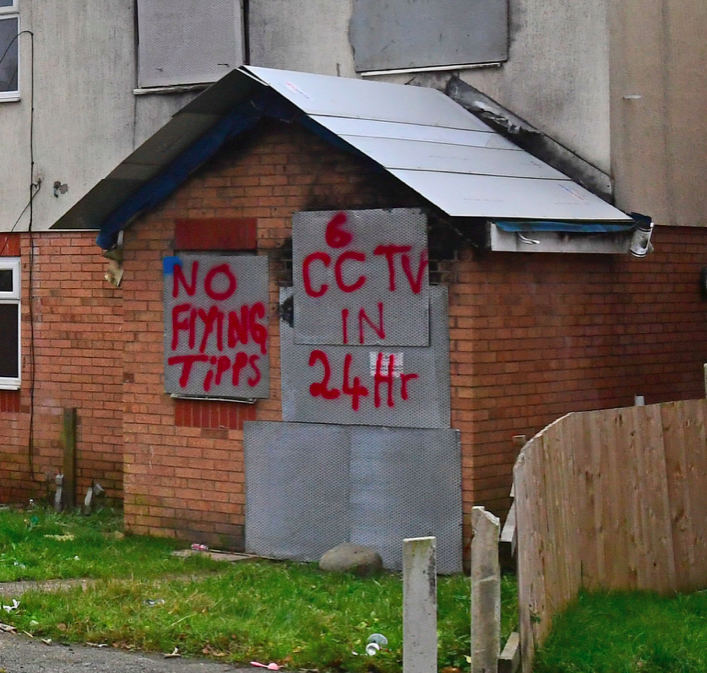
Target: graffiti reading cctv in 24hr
x=216, y=331
x=350, y=266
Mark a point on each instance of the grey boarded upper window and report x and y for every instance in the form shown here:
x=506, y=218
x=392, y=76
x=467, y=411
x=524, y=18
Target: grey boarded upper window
x=411, y=34
x=188, y=41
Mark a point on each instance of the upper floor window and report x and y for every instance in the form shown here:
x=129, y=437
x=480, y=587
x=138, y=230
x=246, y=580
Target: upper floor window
x=9, y=50
x=188, y=41
x=428, y=34
x=9, y=322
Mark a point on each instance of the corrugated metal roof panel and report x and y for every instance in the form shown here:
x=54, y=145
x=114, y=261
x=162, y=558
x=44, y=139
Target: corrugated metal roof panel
x=514, y=198
x=419, y=135
x=443, y=158
x=362, y=99
x=344, y=126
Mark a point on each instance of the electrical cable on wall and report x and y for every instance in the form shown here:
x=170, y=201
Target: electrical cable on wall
x=33, y=191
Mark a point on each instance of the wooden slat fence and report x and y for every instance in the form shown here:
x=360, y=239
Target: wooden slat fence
x=613, y=499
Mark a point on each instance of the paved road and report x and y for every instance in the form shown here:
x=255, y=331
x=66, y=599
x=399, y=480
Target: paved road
x=19, y=654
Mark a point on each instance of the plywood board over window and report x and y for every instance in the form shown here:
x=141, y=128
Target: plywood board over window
x=419, y=34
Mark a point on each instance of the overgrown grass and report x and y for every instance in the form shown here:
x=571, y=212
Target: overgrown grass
x=628, y=632
x=38, y=544
x=290, y=613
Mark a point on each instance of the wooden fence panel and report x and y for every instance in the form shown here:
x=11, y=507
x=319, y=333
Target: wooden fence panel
x=611, y=499
x=686, y=465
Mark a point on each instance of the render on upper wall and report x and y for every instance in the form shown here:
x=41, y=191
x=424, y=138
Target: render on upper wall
x=555, y=70
x=100, y=73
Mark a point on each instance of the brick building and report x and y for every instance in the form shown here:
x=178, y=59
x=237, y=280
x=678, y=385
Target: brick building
x=531, y=335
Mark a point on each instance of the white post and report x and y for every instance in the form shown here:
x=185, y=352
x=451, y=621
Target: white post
x=485, y=592
x=420, y=605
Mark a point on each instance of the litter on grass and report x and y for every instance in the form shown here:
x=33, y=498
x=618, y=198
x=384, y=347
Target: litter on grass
x=151, y=602
x=14, y=606
x=271, y=666
x=375, y=642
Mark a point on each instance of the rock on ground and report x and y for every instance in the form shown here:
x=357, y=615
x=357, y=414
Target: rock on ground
x=355, y=558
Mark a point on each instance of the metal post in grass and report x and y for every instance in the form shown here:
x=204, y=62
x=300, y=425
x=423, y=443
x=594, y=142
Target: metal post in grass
x=420, y=605
x=485, y=592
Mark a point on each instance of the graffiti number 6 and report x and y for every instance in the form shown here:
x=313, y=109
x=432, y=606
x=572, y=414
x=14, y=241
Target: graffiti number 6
x=336, y=237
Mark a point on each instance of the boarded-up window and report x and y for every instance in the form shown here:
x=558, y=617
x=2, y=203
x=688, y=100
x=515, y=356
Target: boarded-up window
x=402, y=34
x=188, y=41
x=216, y=326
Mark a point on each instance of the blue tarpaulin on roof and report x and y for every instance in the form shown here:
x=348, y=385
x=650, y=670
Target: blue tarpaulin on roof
x=577, y=227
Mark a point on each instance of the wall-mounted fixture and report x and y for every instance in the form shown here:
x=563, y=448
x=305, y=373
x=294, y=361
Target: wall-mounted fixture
x=60, y=188
x=114, y=272
x=641, y=239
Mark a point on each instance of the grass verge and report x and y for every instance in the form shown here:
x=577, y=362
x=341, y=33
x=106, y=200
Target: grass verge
x=38, y=544
x=290, y=613
x=628, y=632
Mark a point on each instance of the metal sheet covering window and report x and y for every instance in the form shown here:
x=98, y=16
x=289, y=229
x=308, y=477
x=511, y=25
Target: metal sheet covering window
x=9, y=50
x=216, y=326
x=409, y=34
x=310, y=487
x=9, y=323
x=188, y=41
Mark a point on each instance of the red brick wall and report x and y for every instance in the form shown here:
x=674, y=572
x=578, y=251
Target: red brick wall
x=78, y=363
x=533, y=336
x=189, y=481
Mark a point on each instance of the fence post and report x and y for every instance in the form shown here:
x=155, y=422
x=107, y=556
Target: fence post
x=420, y=605
x=69, y=468
x=485, y=592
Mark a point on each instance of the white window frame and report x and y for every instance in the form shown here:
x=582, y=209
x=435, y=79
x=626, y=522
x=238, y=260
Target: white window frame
x=13, y=297
x=12, y=12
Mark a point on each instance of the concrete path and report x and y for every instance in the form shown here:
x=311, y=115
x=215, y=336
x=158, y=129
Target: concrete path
x=19, y=654
x=16, y=589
